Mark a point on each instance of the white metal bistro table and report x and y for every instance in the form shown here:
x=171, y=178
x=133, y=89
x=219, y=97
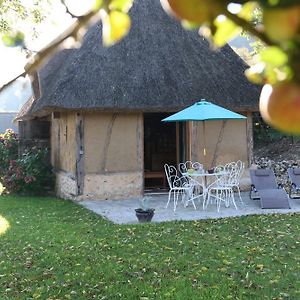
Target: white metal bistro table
x=205, y=182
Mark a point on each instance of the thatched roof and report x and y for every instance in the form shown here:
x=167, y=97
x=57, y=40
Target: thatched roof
x=159, y=66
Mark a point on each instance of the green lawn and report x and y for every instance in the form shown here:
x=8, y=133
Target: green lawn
x=55, y=249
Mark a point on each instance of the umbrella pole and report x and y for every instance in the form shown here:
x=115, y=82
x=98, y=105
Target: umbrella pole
x=204, y=143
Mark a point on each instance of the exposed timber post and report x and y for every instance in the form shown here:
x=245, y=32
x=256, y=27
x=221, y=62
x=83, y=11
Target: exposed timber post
x=194, y=145
x=79, y=153
x=219, y=141
x=249, y=138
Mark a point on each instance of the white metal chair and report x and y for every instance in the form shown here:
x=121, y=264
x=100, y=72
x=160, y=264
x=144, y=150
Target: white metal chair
x=222, y=188
x=184, y=167
x=179, y=186
x=239, y=170
x=199, y=184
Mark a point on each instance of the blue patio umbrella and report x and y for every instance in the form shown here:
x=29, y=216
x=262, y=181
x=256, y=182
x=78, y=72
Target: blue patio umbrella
x=203, y=111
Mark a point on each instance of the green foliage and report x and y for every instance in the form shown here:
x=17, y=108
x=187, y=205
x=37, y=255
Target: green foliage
x=275, y=23
x=28, y=174
x=263, y=134
x=8, y=149
x=226, y=30
x=15, y=15
x=116, y=24
x=13, y=39
x=278, y=3
x=121, y=5
x=56, y=249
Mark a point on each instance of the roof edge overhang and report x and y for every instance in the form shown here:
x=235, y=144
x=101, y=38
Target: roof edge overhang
x=48, y=110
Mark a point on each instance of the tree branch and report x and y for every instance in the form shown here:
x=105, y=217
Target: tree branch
x=75, y=30
x=250, y=28
x=67, y=9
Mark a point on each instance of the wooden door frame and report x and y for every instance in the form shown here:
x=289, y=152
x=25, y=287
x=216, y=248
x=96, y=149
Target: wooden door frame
x=79, y=153
x=187, y=145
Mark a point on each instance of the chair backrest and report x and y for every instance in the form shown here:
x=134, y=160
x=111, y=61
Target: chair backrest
x=171, y=174
x=175, y=181
x=294, y=176
x=263, y=179
x=229, y=178
x=240, y=169
x=197, y=166
x=183, y=167
x=219, y=168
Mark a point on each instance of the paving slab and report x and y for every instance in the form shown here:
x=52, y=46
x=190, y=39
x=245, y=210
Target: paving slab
x=123, y=211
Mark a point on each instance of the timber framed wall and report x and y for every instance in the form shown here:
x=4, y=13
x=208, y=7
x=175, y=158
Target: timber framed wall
x=63, y=154
x=225, y=141
x=113, y=155
x=110, y=150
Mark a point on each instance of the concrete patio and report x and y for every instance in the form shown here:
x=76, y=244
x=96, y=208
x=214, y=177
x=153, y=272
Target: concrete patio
x=122, y=211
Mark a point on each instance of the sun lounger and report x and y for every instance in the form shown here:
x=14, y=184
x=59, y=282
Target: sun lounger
x=294, y=176
x=266, y=189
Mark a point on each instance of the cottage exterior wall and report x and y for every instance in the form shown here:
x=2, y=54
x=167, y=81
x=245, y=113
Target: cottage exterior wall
x=113, y=186
x=63, y=143
x=224, y=142
x=63, y=154
x=113, y=155
x=65, y=185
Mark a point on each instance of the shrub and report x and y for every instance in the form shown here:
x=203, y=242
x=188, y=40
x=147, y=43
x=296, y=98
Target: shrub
x=28, y=174
x=8, y=149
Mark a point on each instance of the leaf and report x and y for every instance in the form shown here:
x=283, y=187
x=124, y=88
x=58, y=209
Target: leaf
x=121, y=5
x=189, y=25
x=13, y=39
x=247, y=10
x=226, y=30
x=98, y=4
x=116, y=25
x=273, y=56
x=260, y=267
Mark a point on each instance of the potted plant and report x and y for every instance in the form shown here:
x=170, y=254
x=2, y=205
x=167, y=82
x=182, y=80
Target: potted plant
x=144, y=213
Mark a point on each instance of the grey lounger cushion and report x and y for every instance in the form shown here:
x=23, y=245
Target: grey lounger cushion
x=296, y=171
x=274, y=198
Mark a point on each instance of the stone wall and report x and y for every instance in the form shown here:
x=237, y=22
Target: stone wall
x=113, y=186
x=279, y=168
x=65, y=185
